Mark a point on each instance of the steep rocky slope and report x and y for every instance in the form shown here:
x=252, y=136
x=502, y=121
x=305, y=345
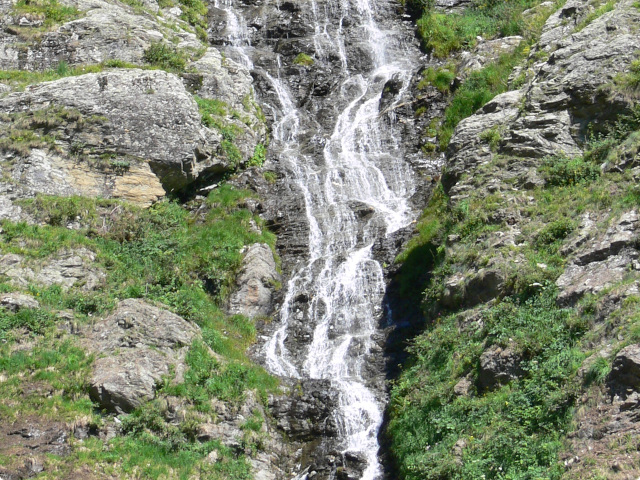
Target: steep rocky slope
x=528, y=253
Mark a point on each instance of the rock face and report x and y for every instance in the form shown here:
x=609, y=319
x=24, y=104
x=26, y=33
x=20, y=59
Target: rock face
x=146, y=115
x=549, y=116
x=255, y=282
x=71, y=268
x=601, y=262
x=104, y=31
x=625, y=371
x=136, y=346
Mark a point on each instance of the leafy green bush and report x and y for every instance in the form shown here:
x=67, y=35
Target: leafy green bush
x=166, y=57
x=561, y=171
x=259, y=156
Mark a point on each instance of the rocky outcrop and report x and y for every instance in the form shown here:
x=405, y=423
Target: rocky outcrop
x=564, y=94
x=601, y=262
x=104, y=31
x=68, y=268
x=255, y=283
x=17, y=301
x=136, y=346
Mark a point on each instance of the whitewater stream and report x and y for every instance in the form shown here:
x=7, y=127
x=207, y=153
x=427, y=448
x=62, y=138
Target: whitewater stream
x=361, y=164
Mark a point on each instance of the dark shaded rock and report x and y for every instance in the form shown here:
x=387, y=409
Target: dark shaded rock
x=498, y=367
x=625, y=371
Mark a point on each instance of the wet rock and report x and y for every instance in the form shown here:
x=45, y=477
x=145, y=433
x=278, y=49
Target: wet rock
x=17, y=301
x=137, y=345
x=498, y=366
x=306, y=414
x=256, y=282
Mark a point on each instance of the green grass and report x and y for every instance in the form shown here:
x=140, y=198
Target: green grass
x=514, y=431
x=53, y=12
x=303, y=59
x=166, y=57
x=443, y=34
x=597, y=13
x=479, y=88
x=163, y=254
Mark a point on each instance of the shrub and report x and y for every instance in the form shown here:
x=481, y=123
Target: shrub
x=303, y=59
x=166, y=57
x=563, y=171
x=440, y=78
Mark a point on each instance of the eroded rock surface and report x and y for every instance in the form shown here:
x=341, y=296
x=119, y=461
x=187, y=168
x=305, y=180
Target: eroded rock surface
x=255, y=282
x=136, y=346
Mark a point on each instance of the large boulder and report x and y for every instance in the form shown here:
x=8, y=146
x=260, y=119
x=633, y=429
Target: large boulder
x=143, y=117
x=136, y=346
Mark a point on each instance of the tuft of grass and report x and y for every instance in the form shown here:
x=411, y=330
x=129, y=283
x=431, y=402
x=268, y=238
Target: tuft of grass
x=166, y=57
x=597, y=13
x=52, y=11
x=440, y=78
x=303, y=59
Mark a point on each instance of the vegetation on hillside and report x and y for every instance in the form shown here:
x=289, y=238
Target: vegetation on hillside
x=517, y=430
x=182, y=260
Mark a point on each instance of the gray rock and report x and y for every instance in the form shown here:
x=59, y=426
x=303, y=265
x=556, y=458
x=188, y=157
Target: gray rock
x=147, y=115
x=69, y=268
x=498, y=367
x=137, y=345
x=17, y=301
x=625, y=371
x=106, y=30
x=255, y=282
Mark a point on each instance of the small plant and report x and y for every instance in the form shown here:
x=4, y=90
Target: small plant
x=54, y=13
x=597, y=372
x=259, y=156
x=597, y=13
x=303, y=59
x=166, y=57
x=440, y=78
x=563, y=171
x=493, y=137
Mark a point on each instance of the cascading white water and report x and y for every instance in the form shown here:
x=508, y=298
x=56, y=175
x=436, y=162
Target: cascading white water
x=361, y=163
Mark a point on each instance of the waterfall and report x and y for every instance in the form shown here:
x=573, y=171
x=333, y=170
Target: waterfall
x=361, y=164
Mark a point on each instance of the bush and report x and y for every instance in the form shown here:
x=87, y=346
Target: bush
x=166, y=57
x=303, y=59
x=564, y=171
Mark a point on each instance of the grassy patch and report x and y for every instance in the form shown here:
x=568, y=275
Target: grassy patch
x=166, y=57
x=597, y=13
x=51, y=11
x=303, y=59
x=479, y=88
x=512, y=432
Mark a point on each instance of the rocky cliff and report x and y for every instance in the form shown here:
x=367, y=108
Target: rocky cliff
x=529, y=282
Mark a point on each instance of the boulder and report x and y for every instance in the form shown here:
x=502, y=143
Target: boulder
x=144, y=116
x=136, y=346
x=625, y=371
x=255, y=283
x=17, y=301
x=498, y=366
